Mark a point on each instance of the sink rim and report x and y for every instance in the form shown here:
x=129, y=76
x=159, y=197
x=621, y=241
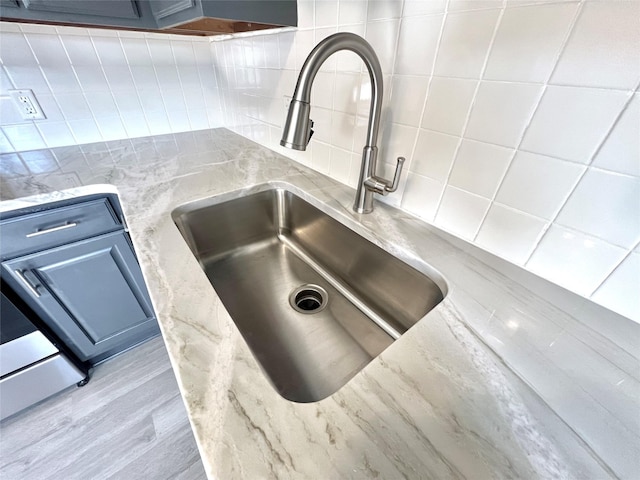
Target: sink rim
x=351, y=221
x=315, y=385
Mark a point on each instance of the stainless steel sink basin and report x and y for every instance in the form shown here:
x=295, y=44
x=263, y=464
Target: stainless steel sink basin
x=315, y=301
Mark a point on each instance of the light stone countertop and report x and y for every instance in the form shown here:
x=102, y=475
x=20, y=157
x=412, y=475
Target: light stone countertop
x=509, y=377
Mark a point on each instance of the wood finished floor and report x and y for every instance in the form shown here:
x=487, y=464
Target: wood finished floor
x=129, y=423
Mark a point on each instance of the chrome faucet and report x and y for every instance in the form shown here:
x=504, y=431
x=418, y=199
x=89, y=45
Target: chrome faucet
x=298, y=127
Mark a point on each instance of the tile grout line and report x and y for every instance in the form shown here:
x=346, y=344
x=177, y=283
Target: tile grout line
x=469, y=113
x=135, y=83
x=6, y=73
x=588, y=167
x=629, y=253
x=426, y=97
x=155, y=73
x=517, y=148
x=561, y=50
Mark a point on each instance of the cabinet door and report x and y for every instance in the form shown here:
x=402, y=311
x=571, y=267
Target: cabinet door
x=101, y=8
x=90, y=293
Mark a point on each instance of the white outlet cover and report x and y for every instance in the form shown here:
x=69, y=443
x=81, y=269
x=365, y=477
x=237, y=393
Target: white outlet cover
x=27, y=104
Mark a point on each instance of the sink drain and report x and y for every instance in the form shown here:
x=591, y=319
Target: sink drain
x=308, y=299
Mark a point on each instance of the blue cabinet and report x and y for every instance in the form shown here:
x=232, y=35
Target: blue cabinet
x=200, y=17
x=90, y=292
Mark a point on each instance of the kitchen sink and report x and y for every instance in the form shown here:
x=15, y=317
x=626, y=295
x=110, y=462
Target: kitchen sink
x=315, y=301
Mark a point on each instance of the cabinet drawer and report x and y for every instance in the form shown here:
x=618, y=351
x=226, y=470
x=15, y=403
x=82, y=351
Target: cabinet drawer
x=59, y=226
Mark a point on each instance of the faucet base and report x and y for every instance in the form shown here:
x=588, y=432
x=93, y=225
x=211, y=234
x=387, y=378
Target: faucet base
x=362, y=210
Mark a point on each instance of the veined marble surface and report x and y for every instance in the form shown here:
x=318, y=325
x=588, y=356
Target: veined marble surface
x=509, y=377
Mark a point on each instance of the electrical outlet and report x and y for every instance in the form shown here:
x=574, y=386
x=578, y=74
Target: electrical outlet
x=27, y=104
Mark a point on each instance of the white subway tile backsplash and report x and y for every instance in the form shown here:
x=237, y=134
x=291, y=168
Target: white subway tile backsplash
x=74, y=106
x=322, y=123
x=434, y=154
x=109, y=50
x=102, y=104
x=24, y=137
x=56, y=134
x=5, y=144
x=465, y=43
x=340, y=165
x=538, y=185
x=9, y=113
x=61, y=78
x=91, y=76
x=407, y=99
x=417, y=44
x=127, y=103
x=620, y=290
x=461, y=212
x=479, y=167
x=111, y=128
x=501, y=112
x=398, y=141
x=306, y=13
x=352, y=11
x=603, y=48
x=189, y=77
x=48, y=49
x=23, y=77
x=321, y=158
x=572, y=122
x=50, y=108
x=463, y=5
x=5, y=80
x=135, y=125
x=510, y=233
x=383, y=9
x=422, y=195
x=183, y=53
x=423, y=7
x=621, y=150
x=528, y=41
x=119, y=77
x=80, y=50
x=606, y=205
x=448, y=104
x=158, y=122
x=144, y=77
x=14, y=50
x=161, y=83
x=326, y=14
x=342, y=88
x=161, y=52
x=382, y=37
x=151, y=99
x=574, y=260
x=286, y=50
x=136, y=51
x=342, y=128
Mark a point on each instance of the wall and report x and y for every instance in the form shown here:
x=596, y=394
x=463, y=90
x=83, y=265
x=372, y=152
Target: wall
x=519, y=119
x=96, y=85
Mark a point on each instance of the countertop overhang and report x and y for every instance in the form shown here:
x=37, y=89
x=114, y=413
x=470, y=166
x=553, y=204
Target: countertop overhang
x=509, y=377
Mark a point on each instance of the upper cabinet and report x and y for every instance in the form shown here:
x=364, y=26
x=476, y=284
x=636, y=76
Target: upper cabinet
x=194, y=17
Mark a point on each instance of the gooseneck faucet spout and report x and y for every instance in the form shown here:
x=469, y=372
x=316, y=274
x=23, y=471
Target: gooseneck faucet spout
x=298, y=126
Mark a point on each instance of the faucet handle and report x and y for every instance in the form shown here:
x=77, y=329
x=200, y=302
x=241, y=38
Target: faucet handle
x=383, y=186
x=311, y=132
x=396, y=177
